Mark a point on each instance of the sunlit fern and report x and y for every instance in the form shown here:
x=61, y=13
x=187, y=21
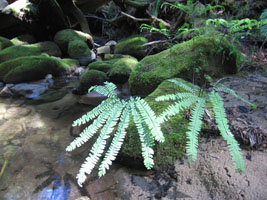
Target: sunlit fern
x=113, y=115
x=190, y=98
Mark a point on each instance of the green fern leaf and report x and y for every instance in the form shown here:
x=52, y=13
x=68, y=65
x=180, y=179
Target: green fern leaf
x=173, y=97
x=176, y=108
x=107, y=90
x=116, y=142
x=150, y=119
x=194, y=129
x=93, y=113
x=98, y=147
x=184, y=86
x=145, y=137
x=224, y=129
x=223, y=88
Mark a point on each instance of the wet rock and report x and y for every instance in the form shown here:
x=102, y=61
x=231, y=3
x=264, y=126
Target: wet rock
x=92, y=98
x=30, y=91
x=3, y=4
x=79, y=71
x=6, y=92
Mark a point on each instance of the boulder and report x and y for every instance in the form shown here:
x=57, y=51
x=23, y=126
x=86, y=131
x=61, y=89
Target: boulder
x=79, y=50
x=4, y=43
x=132, y=46
x=30, y=68
x=64, y=37
x=91, y=78
x=121, y=70
x=48, y=47
x=104, y=66
x=30, y=91
x=212, y=55
x=174, y=131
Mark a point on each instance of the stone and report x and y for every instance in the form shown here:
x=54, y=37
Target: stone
x=92, y=98
x=6, y=92
x=23, y=39
x=17, y=112
x=30, y=91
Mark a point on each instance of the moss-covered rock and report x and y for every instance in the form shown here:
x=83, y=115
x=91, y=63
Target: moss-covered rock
x=116, y=56
x=211, y=55
x=78, y=49
x=132, y=46
x=51, y=48
x=4, y=43
x=70, y=63
x=18, y=51
x=30, y=68
x=63, y=37
x=23, y=39
x=104, y=66
x=121, y=70
x=174, y=132
x=91, y=78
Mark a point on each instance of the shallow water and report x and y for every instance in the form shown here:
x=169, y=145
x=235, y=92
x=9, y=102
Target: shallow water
x=33, y=161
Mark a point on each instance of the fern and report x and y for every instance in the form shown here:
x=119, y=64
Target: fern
x=106, y=116
x=185, y=100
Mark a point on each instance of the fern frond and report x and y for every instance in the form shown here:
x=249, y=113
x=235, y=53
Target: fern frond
x=176, y=108
x=145, y=137
x=194, y=129
x=116, y=142
x=222, y=88
x=150, y=119
x=173, y=97
x=93, y=113
x=224, y=129
x=99, y=145
x=184, y=86
x=107, y=90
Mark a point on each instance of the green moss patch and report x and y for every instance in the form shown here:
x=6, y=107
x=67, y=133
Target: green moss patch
x=23, y=39
x=30, y=68
x=4, y=43
x=78, y=49
x=132, y=46
x=91, y=78
x=104, y=66
x=207, y=55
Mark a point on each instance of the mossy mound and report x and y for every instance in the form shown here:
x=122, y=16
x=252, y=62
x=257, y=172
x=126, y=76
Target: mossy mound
x=4, y=43
x=30, y=68
x=174, y=132
x=18, y=51
x=63, y=37
x=116, y=56
x=211, y=55
x=78, y=49
x=121, y=70
x=70, y=63
x=23, y=39
x=104, y=66
x=51, y=48
x=132, y=46
x=91, y=78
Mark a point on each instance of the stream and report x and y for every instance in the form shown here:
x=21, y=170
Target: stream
x=33, y=159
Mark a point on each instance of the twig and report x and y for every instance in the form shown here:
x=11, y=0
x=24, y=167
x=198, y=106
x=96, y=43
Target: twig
x=134, y=18
x=154, y=42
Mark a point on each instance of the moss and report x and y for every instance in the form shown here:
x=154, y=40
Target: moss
x=63, y=37
x=115, y=56
x=121, y=70
x=209, y=54
x=91, y=78
x=174, y=132
x=23, y=39
x=70, y=63
x=4, y=43
x=78, y=49
x=18, y=51
x=132, y=46
x=30, y=68
x=51, y=48
x=104, y=66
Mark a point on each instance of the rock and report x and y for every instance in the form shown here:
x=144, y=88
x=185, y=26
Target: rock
x=48, y=80
x=108, y=48
x=3, y=4
x=116, y=56
x=174, y=130
x=179, y=62
x=30, y=91
x=6, y=92
x=51, y=48
x=30, y=68
x=1, y=84
x=121, y=70
x=71, y=63
x=132, y=46
x=64, y=37
x=79, y=71
x=92, y=99
x=23, y=39
x=4, y=43
x=91, y=78
x=104, y=66
x=78, y=49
